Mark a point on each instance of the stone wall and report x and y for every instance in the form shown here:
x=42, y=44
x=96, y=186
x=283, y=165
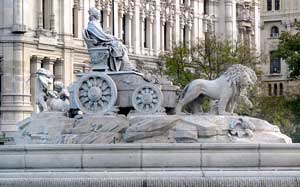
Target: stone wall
x=141, y=165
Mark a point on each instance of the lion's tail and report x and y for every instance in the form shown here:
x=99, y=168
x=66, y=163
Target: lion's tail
x=185, y=89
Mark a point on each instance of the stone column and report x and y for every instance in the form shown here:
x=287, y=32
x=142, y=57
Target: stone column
x=128, y=40
x=18, y=22
x=176, y=29
x=116, y=19
x=48, y=64
x=120, y=35
x=35, y=64
x=80, y=20
x=16, y=103
x=182, y=36
x=169, y=35
x=136, y=31
x=52, y=17
x=188, y=35
x=162, y=34
x=150, y=34
x=106, y=20
x=195, y=31
x=230, y=21
x=156, y=29
x=142, y=34
x=40, y=15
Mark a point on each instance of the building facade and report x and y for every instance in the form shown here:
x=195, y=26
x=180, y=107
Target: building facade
x=277, y=16
x=47, y=33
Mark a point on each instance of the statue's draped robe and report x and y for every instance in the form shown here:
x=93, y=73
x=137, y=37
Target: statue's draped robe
x=117, y=50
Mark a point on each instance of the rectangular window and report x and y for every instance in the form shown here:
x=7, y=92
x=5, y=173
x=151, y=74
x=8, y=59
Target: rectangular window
x=184, y=36
x=165, y=36
x=46, y=5
x=277, y=4
x=275, y=64
x=269, y=5
x=101, y=18
x=124, y=39
x=205, y=7
x=145, y=33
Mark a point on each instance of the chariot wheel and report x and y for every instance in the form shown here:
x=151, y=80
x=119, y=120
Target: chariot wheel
x=147, y=99
x=96, y=93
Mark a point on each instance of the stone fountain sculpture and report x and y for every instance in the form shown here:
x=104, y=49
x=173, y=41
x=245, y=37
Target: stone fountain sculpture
x=107, y=51
x=48, y=99
x=116, y=104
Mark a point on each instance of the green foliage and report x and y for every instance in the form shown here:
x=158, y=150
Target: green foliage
x=211, y=57
x=206, y=59
x=177, y=68
x=281, y=111
x=289, y=50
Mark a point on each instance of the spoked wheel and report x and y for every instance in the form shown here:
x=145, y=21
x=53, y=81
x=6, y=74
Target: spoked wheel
x=147, y=99
x=96, y=93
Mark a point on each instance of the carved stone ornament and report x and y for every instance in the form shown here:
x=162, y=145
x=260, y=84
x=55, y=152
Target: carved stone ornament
x=95, y=93
x=147, y=98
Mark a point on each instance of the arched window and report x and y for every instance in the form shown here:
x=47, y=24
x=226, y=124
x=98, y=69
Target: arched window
x=269, y=5
x=277, y=4
x=280, y=89
x=270, y=89
x=274, y=32
x=275, y=90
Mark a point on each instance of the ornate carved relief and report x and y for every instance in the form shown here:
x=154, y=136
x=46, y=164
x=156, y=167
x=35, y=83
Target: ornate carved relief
x=167, y=13
x=126, y=7
x=187, y=16
x=104, y=5
x=148, y=8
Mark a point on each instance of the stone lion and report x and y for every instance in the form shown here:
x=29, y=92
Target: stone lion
x=225, y=91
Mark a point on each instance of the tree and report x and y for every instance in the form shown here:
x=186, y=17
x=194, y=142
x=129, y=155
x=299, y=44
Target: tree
x=207, y=59
x=289, y=50
x=177, y=66
x=211, y=57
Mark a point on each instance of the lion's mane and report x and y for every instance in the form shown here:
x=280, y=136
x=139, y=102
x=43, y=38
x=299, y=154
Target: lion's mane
x=234, y=73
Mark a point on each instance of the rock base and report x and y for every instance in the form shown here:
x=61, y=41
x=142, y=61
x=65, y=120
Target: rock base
x=55, y=128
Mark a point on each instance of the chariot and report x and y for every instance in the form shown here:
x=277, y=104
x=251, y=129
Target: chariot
x=101, y=91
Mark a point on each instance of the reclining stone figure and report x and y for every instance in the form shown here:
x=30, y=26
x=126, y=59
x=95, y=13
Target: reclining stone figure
x=103, y=46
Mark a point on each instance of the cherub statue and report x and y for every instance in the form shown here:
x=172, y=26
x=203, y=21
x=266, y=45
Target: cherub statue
x=48, y=99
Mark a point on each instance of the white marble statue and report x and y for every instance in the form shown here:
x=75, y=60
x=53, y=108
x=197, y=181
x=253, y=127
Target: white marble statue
x=95, y=36
x=225, y=91
x=48, y=99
